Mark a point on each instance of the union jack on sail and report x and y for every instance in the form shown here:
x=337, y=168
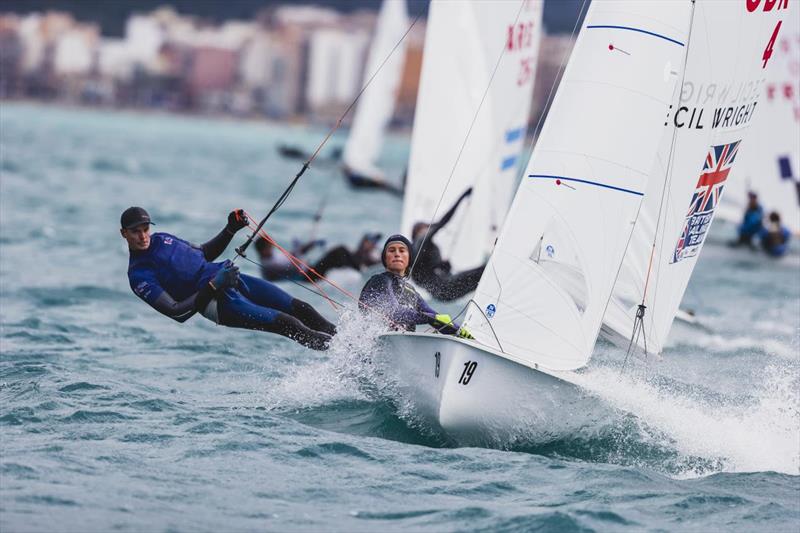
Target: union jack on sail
x=706, y=195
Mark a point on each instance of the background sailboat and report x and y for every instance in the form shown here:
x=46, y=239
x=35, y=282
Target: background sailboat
x=376, y=105
x=462, y=44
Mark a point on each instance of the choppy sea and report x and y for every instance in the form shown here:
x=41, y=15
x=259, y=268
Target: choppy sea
x=114, y=418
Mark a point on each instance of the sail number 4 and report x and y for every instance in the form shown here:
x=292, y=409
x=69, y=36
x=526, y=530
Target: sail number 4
x=468, y=372
x=768, y=5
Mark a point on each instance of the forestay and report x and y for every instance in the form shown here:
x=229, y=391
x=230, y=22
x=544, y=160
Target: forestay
x=463, y=44
x=708, y=122
x=376, y=105
x=770, y=159
x=551, y=274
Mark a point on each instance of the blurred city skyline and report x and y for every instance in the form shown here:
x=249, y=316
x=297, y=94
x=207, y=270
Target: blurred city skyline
x=297, y=62
x=558, y=17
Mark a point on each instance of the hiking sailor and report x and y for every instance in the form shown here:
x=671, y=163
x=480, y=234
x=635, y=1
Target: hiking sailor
x=433, y=273
x=179, y=279
x=390, y=295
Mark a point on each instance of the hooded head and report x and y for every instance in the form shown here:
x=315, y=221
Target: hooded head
x=394, y=239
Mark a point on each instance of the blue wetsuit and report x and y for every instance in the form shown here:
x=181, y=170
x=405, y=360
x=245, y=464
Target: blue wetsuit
x=751, y=224
x=173, y=276
x=775, y=242
x=398, y=302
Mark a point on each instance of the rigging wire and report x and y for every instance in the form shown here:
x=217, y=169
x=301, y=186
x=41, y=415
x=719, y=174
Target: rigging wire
x=638, y=321
x=241, y=250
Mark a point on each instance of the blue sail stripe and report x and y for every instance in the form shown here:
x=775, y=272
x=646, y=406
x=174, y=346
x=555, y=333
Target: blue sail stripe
x=637, y=30
x=508, y=162
x=596, y=183
x=513, y=135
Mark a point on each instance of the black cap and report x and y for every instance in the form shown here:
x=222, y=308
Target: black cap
x=397, y=238
x=134, y=216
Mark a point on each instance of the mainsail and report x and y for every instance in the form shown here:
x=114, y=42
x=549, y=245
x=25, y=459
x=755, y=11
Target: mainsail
x=376, y=105
x=708, y=121
x=463, y=43
x=770, y=159
x=542, y=297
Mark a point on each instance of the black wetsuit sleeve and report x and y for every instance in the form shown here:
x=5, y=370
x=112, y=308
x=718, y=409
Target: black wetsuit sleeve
x=214, y=248
x=446, y=218
x=185, y=309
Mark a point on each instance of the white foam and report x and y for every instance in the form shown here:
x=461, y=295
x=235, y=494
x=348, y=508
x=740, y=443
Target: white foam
x=758, y=434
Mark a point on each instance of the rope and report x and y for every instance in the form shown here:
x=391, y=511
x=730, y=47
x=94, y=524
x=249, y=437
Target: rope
x=463, y=145
x=241, y=250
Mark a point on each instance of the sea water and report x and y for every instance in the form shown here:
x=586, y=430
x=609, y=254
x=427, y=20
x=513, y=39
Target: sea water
x=113, y=417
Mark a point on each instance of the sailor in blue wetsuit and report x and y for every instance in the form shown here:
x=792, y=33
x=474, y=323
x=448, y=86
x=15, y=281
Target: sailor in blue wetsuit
x=775, y=237
x=390, y=294
x=179, y=279
x=751, y=224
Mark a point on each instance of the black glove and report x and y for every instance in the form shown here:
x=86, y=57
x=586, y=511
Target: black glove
x=237, y=220
x=228, y=276
x=467, y=193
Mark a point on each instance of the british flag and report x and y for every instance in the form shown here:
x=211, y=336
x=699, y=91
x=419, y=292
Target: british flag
x=707, y=193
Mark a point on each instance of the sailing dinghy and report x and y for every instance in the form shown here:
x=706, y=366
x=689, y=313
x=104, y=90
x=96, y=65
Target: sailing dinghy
x=376, y=105
x=540, y=304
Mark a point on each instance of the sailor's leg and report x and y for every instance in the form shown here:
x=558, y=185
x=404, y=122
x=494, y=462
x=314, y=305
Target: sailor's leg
x=238, y=312
x=264, y=293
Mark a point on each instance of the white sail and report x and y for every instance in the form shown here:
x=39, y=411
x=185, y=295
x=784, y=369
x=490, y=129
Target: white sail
x=770, y=159
x=549, y=278
x=720, y=96
x=463, y=43
x=376, y=105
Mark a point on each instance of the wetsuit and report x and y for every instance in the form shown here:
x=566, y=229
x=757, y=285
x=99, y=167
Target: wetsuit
x=433, y=274
x=173, y=276
x=775, y=242
x=393, y=298
x=751, y=225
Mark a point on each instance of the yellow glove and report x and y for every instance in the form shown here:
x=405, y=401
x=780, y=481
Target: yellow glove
x=464, y=333
x=444, y=320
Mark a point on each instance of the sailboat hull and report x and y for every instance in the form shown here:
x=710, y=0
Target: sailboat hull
x=476, y=396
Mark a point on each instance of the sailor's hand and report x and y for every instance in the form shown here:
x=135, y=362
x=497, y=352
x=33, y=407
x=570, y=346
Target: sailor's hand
x=443, y=320
x=228, y=276
x=463, y=333
x=237, y=220
x=468, y=192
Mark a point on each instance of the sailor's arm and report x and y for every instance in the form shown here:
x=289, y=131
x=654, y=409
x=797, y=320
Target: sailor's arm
x=146, y=286
x=214, y=248
x=447, y=216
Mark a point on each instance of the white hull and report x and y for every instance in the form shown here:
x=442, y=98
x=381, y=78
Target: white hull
x=498, y=402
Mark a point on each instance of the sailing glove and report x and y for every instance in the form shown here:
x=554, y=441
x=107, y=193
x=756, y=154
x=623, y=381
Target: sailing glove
x=228, y=276
x=444, y=320
x=237, y=220
x=463, y=333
